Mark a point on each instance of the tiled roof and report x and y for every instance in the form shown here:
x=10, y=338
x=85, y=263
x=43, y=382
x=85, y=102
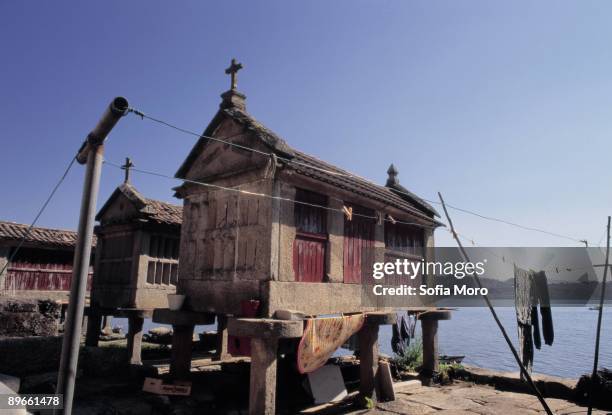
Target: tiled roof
x=310, y=166
x=163, y=212
x=320, y=170
x=317, y=169
x=11, y=231
x=154, y=210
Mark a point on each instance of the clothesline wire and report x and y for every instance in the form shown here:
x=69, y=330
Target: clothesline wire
x=551, y=268
x=38, y=215
x=250, y=193
x=257, y=194
x=224, y=140
x=240, y=146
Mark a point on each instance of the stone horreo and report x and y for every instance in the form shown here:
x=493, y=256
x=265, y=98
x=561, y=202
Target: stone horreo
x=268, y=225
x=272, y=236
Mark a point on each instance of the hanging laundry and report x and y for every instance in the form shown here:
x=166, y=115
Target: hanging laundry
x=541, y=284
x=322, y=337
x=409, y=325
x=523, y=300
x=348, y=212
x=402, y=332
x=535, y=323
x=531, y=291
x=397, y=345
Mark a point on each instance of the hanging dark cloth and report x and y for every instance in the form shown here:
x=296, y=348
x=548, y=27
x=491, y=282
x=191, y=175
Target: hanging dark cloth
x=402, y=332
x=541, y=284
x=531, y=291
x=535, y=323
x=396, y=343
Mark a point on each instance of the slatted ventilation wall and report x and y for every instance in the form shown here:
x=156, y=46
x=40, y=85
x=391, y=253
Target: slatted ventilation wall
x=163, y=260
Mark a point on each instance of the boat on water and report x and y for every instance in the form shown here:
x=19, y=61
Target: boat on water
x=450, y=359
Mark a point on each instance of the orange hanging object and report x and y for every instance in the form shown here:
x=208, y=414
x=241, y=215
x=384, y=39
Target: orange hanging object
x=348, y=212
x=322, y=337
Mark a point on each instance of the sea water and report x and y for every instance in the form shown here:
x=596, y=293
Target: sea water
x=472, y=332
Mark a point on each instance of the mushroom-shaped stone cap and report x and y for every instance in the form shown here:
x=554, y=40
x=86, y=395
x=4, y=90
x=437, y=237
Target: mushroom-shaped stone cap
x=392, y=172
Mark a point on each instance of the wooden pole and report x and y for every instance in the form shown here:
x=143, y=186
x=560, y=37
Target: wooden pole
x=599, y=317
x=524, y=372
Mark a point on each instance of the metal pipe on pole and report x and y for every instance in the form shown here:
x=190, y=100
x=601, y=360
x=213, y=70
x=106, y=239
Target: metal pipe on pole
x=91, y=153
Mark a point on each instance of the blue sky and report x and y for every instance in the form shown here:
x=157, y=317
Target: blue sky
x=503, y=107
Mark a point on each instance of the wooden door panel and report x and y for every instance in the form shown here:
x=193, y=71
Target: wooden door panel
x=309, y=259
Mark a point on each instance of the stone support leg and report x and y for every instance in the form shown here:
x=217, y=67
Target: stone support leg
x=94, y=321
x=221, y=352
x=429, y=325
x=134, y=339
x=264, y=334
x=430, y=345
x=182, y=345
x=262, y=386
x=368, y=357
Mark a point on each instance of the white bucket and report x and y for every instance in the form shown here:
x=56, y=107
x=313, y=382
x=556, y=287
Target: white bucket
x=175, y=301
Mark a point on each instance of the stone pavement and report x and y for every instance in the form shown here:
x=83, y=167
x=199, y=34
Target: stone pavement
x=463, y=398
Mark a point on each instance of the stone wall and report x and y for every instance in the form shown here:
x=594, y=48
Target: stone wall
x=4, y=255
x=225, y=247
x=25, y=318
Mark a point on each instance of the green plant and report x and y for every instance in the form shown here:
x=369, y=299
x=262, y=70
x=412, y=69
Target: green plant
x=447, y=372
x=411, y=357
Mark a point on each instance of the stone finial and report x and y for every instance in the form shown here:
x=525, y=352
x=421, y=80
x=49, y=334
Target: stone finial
x=233, y=99
x=392, y=172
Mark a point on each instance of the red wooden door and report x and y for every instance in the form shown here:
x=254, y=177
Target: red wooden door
x=358, y=245
x=311, y=237
x=309, y=258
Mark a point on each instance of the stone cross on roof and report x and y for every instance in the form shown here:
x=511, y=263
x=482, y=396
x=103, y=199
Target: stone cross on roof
x=233, y=71
x=127, y=166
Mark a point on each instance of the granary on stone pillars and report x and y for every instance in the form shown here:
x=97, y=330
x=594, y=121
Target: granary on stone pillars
x=280, y=236
x=136, y=264
x=272, y=236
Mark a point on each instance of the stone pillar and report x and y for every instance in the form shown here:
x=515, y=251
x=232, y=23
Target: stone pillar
x=368, y=360
x=94, y=322
x=4, y=257
x=182, y=344
x=430, y=346
x=287, y=235
x=335, y=246
x=262, y=383
x=183, y=323
x=107, y=324
x=369, y=384
x=429, y=326
x=430, y=255
x=264, y=334
x=221, y=352
x=134, y=339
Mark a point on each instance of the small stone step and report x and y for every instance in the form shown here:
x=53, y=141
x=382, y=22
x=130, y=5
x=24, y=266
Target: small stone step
x=407, y=385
